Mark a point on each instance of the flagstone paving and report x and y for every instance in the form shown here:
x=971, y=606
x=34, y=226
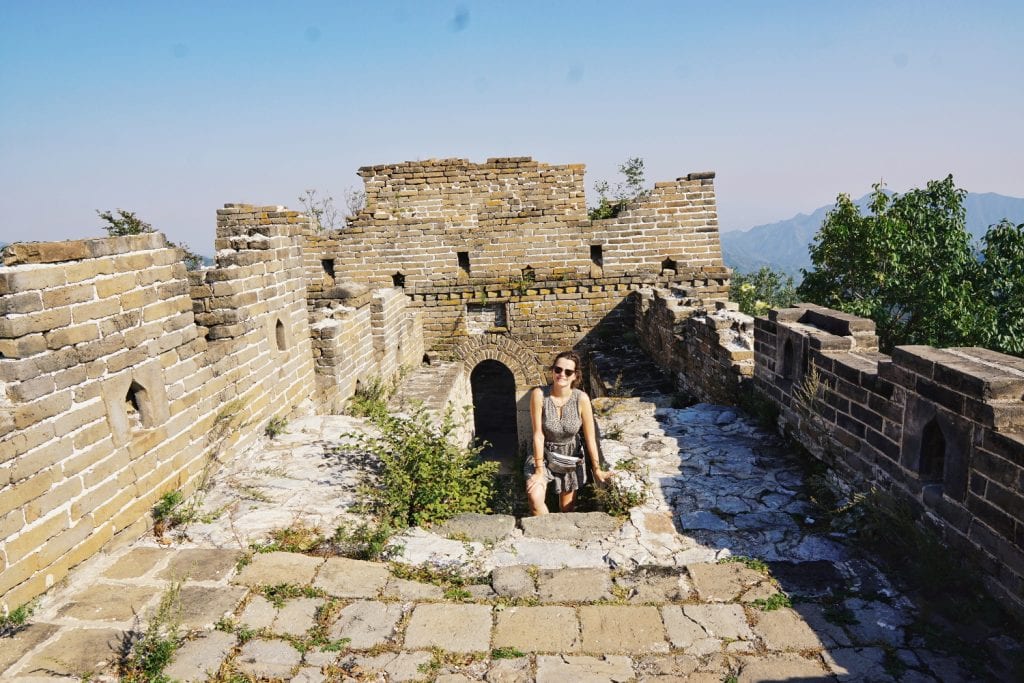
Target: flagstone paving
x=579, y=597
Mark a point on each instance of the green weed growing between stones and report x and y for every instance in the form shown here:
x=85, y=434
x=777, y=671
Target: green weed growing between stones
x=144, y=659
x=506, y=653
x=371, y=399
x=297, y=538
x=13, y=622
x=275, y=427
x=757, y=565
x=425, y=477
x=775, y=602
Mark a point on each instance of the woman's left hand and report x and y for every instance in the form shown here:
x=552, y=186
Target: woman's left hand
x=602, y=477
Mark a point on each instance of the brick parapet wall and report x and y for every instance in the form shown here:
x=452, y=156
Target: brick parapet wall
x=526, y=246
x=943, y=428
x=112, y=394
x=709, y=352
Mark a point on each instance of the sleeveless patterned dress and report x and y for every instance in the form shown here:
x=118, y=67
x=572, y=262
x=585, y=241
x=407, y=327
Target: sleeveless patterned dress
x=561, y=429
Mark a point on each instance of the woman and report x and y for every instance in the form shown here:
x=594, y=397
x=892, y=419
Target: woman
x=558, y=412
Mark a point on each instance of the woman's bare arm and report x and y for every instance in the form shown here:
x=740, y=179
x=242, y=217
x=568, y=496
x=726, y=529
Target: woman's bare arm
x=590, y=438
x=537, y=420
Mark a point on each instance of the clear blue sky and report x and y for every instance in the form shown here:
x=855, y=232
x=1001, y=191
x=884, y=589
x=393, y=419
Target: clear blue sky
x=173, y=108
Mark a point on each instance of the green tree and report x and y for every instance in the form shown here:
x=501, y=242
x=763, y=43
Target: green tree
x=613, y=200
x=1001, y=288
x=908, y=265
x=127, y=223
x=760, y=291
x=124, y=223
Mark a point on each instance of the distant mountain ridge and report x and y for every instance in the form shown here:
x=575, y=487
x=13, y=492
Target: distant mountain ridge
x=784, y=245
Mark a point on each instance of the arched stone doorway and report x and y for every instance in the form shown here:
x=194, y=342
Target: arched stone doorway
x=494, y=411
x=508, y=351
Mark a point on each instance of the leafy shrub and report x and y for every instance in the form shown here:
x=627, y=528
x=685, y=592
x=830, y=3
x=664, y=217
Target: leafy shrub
x=370, y=399
x=425, y=477
x=758, y=292
x=275, y=427
x=613, y=200
x=13, y=622
x=624, y=491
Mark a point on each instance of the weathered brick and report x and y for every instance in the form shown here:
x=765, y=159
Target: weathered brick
x=27, y=278
x=67, y=295
x=22, y=347
x=12, y=326
x=115, y=284
x=25, y=302
x=33, y=537
x=38, y=410
x=14, y=497
x=68, y=336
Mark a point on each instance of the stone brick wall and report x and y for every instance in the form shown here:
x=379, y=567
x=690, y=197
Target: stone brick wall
x=119, y=370
x=505, y=248
x=942, y=428
x=710, y=353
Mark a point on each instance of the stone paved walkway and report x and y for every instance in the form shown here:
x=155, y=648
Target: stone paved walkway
x=582, y=597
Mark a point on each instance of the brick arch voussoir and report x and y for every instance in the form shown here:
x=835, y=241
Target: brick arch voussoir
x=513, y=355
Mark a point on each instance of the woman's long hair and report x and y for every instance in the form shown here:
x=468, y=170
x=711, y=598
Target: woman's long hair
x=577, y=376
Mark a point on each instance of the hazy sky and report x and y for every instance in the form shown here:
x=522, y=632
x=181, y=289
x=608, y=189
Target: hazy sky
x=171, y=109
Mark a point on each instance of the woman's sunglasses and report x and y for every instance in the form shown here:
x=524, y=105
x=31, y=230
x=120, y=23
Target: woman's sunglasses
x=559, y=370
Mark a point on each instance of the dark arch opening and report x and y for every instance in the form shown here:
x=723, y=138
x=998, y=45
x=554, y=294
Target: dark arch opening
x=668, y=264
x=787, y=359
x=426, y=359
x=932, y=459
x=279, y=335
x=136, y=406
x=494, y=411
x=398, y=280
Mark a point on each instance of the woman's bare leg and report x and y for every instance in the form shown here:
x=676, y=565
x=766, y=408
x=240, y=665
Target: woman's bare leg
x=536, y=495
x=567, y=501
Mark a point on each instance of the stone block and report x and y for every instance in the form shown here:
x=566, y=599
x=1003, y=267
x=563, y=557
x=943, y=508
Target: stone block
x=513, y=581
x=720, y=621
x=572, y=526
x=271, y=569
x=574, y=585
x=204, y=606
x=137, y=562
x=15, y=645
x=478, y=527
x=403, y=589
x=454, y=628
x=25, y=302
x=259, y=613
x=199, y=659
x=367, y=624
x=108, y=602
x=606, y=669
x=723, y=582
x=625, y=629
x=12, y=326
x=267, y=658
x=345, y=578
x=789, y=667
x=538, y=629
x=77, y=652
x=785, y=629
x=201, y=564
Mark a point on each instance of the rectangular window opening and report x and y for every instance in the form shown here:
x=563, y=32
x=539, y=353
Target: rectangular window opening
x=596, y=255
x=464, y=260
